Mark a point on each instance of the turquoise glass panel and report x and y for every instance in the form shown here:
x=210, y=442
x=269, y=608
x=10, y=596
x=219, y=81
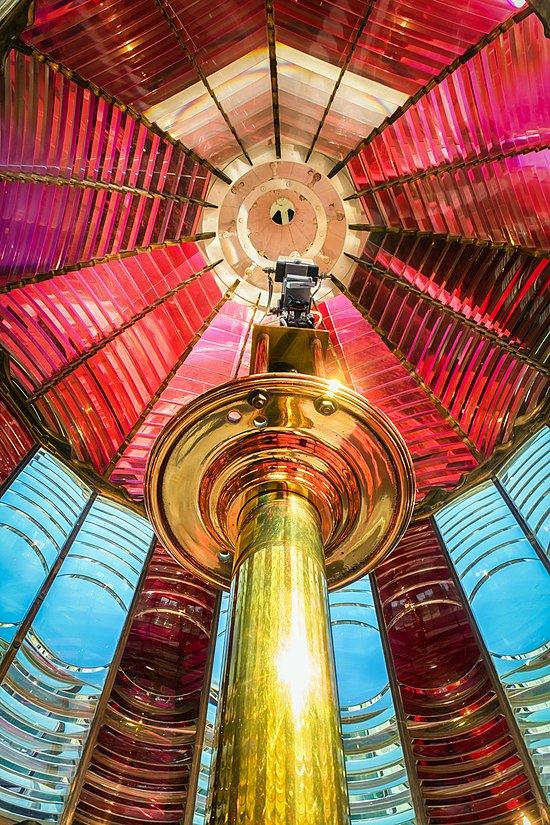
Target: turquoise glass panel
x=378, y=784
x=526, y=479
x=37, y=513
x=377, y=778
x=49, y=697
x=508, y=588
x=199, y=815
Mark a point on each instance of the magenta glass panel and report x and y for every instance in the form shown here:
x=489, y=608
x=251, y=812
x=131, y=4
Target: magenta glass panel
x=51, y=126
x=473, y=378
x=99, y=401
x=15, y=441
x=324, y=30
x=505, y=291
x=140, y=765
x=213, y=360
x=140, y=61
x=439, y=455
x=502, y=201
x=499, y=101
x=467, y=762
x=46, y=327
x=405, y=45
x=83, y=225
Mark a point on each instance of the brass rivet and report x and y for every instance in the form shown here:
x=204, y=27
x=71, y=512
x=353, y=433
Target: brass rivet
x=258, y=399
x=325, y=406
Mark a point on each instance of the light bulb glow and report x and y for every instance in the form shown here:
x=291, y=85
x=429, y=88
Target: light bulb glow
x=294, y=665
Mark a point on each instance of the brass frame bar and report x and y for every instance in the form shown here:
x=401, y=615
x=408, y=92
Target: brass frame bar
x=56, y=379
x=116, y=256
x=98, y=185
x=470, y=52
x=271, y=42
x=411, y=370
x=147, y=409
x=445, y=168
x=400, y=715
x=439, y=236
x=27, y=458
x=503, y=342
x=30, y=615
x=247, y=336
x=496, y=684
x=194, y=773
x=89, y=745
x=113, y=101
x=343, y=70
x=529, y=535
x=189, y=54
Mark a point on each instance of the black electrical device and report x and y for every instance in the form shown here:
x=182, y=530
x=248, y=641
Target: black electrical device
x=298, y=278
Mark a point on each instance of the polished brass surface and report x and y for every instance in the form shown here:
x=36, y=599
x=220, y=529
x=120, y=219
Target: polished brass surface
x=259, y=357
x=280, y=756
x=290, y=432
x=288, y=349
x=319, y=358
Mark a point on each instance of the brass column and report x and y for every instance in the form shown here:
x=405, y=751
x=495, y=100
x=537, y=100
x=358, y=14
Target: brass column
x=280, y=756
x=279, y=485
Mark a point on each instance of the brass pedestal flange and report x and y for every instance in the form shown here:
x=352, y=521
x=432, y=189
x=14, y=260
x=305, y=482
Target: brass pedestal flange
x=280, y=431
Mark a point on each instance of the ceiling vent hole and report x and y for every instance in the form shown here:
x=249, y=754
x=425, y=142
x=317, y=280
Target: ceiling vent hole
x=282, y=211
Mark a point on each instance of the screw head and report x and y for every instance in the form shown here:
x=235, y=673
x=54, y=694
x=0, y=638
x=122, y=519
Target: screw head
x=258, y=399
x=325, y=406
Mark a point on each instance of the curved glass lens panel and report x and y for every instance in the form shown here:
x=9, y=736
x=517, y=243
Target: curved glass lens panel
x=508, y=589
x=37, y=513
x=526, y=479
x=49, y=696
x=218, y=639
x=377, y=777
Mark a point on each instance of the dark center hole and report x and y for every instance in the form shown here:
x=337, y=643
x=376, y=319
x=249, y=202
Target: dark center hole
x=278, y=217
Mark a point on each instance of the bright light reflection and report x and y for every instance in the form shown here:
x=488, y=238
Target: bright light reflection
x=525, y=819
x=294, y=665
x=334, y=386
x=519, y=4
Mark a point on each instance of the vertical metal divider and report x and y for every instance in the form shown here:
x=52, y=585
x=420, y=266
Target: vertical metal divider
x=30, y=615
x=27, y=458
x=194, y=773
x=529, y=535
x=496, y=684
x=97, y=721
x=410, y=762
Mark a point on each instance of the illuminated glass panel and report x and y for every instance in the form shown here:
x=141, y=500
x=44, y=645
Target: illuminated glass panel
x=508, y=589
x=37, y=513
x=377, y=778
x=50, y=694
x=526, y=479
x=211, y=713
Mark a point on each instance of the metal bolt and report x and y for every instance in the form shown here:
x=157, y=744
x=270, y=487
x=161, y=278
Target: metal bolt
x=258, y=399
x=325, y=406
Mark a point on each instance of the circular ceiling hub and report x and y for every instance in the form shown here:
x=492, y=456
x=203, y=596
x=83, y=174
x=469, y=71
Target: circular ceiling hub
x=279, y=208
